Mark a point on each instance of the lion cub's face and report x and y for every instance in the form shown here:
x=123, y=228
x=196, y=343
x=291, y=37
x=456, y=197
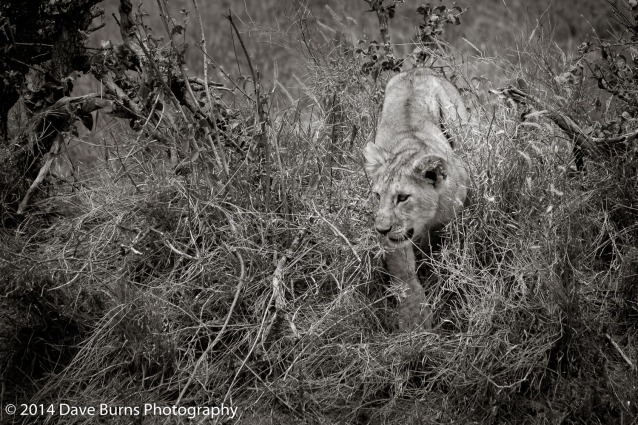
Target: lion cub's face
x=408, y=191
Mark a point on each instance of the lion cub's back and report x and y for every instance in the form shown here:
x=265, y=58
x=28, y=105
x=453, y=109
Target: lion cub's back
x=416, y=101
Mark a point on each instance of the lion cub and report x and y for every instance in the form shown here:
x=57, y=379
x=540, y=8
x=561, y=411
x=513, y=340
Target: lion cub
x=418, y=179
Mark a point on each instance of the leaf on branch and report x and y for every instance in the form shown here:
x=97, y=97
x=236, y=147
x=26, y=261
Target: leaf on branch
x=87, y=121
x=177, y=29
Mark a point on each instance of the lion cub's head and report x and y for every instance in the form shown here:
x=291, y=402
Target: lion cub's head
x=413, y=190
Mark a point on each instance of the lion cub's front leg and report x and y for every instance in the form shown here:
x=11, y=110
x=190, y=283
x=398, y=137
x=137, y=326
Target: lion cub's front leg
x=414, y=313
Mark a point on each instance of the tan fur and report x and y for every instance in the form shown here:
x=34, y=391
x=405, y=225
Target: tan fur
x=413, y=156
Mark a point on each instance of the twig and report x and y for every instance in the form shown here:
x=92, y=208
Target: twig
x=208, y=96
x=228, y=77
x=261, y=115
x=277, y=290
x=54, y=120
x=624, y=138
x=282, y=174
x=278, y=275
x=631, y=364
x=243, y=46
x=336, y=231
x=194, y=105
x=139, y=237
x=240, y=285
x=126, y=171
x=382, y=16
x=199, y=81
x=95, y=28
x=44, y=171
x=170, y=246
x=136, y=45
x=279, y=300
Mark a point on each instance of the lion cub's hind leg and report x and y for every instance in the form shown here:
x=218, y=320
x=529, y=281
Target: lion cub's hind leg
x=414, y=313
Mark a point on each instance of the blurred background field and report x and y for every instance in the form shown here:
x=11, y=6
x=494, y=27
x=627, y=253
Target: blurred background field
x=495, y=27
x=493, y=32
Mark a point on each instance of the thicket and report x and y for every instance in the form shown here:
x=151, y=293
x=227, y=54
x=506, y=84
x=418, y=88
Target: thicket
x=223, y=251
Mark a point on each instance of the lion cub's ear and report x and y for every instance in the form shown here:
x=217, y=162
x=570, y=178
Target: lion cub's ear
x=374, y=158
x=430, y=167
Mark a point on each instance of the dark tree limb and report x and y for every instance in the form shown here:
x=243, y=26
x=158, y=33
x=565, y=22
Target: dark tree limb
x=593, y=147
x=49, y=38
x=57, y=120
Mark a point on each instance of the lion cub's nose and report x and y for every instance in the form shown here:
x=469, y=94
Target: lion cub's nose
x=383, y=229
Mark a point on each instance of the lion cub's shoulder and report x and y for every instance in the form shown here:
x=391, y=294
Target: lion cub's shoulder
x=419, y=106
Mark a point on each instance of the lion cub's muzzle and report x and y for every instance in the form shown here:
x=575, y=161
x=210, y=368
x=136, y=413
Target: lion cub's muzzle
x=399, y=235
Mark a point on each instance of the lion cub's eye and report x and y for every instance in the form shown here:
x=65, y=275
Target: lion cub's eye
x=377, y=196
x=402, y=197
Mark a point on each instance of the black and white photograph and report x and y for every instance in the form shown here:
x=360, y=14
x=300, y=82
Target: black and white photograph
x=330, y=212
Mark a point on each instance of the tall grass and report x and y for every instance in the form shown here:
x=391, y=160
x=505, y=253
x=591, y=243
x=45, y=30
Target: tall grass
x=190, y=288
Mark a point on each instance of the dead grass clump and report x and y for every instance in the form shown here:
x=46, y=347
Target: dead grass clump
x=265, y=292
x=525, y=280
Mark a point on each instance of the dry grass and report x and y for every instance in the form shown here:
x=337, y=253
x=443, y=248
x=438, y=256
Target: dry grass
x=166, y=288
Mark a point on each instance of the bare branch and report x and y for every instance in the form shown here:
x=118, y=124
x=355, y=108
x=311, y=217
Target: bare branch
x=44, y=171
x=207, y=89
x=261, y=114
x=624, y=356
x=592, y=146
x=336, y=231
